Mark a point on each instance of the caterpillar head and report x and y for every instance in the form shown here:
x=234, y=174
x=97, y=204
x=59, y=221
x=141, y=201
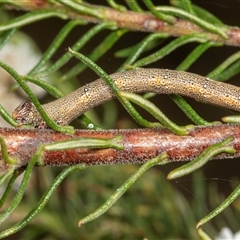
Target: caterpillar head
x=27, y=114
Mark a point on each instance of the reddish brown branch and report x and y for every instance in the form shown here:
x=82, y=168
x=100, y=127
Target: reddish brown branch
x=139, y=22
x=139, y=145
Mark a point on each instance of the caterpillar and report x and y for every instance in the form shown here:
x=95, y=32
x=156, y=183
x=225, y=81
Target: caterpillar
x=162, y=81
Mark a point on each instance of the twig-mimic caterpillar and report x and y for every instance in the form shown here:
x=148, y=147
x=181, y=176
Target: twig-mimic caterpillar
x=68, y=108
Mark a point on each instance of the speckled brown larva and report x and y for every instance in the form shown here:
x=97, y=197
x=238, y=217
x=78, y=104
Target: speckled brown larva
x=66, y=109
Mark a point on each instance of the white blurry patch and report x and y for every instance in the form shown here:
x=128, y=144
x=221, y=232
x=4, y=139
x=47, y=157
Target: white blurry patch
x=22, y=55
x=227, y=234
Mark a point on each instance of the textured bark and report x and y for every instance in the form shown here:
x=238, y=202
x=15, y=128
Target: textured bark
x=137, y=21
x=140, y=145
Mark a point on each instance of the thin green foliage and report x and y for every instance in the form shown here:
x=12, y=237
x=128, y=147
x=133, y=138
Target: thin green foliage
x=6, y=175
x=54, y=46
x=55, y=93
x=133, y=5
x=116, y=6
x=224, y=66
x=169, y=48
x=188, y=6
x=188, y=110
x=162, y=159
x=44, y=67
x=16, y=200
x=198, y=11
x=6, y=116
x=10, y=185
x=128, y=106
x=203, y=235
x=133, y=53
x=157, y=113
x=231, y=71
x=221, y=207
x=88, y=123
x=44, y=85
x=21, y=82
x=6, y=36
x=43, y=201
x=161, y=16
x=192, y=18
x=81, y=8
x=77, y=46
x=203, y=158
x=191, y=58
x=97, y=143
x=231, y=119
x=97, y=52
x=4, y=152
x=30, y=18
